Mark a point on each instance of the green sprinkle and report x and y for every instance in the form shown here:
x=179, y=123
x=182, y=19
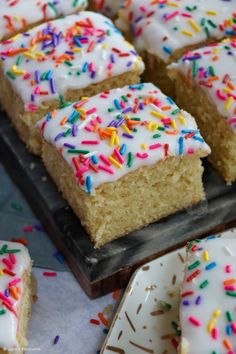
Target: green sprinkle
x=12, y=251
x=195, y=68
x=68, y=63
x=162, y=305
x=16, y=206
x=11, y=75
x=229, y=316
x=68, y=132
x=207, y=32
x=177, y=110
x=74, y=120
x=2, y=312
x=155, y=136
x=162, y=129
x=130, y=159
x=135, y=130
x=176, y=327
x=65, y=104
x=203, y=21
x=76, y=151
x=204, y=284
x=78, y=73
x=212, y=24
x=4, y=248
x=75, y=3
x=54, y=8
x=110, y=110
x=124, y=98
x=43, y=76
x=211, y=70
x=194, y=265
x=19, y=60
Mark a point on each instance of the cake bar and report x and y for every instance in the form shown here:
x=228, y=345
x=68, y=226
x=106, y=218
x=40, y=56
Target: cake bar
x=16, y=295
x=123, y=159
x=207, y=309
x=63, y=60
x=20, y=15
x=162, y=31
x=205, y=83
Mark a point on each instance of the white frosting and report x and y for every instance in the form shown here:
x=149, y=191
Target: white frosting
x=161, y=131
x=209, y=305
x=17, y=14
x=89, y=50
x=162, y=27
x=108, y=7
x=219, y=62
x=9, y=320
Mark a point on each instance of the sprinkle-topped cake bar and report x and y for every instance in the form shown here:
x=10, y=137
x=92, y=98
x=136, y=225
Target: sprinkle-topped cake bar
x=79, y=55
x=123, y=159
x=19, y=15
x=107, y=7
x=208, y=295
x=205, y=82
x=164, y=30
x=15, y=297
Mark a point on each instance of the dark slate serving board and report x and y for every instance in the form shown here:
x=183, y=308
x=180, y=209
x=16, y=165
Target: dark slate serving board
x=100, y=271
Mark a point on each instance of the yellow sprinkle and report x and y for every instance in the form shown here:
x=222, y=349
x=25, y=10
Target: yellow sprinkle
x=136, y=66
x=229, y=103
x=144, y=146
x=105, y=46
x=113, y=138
x=182, y=119
x=173, y=124
x=1, y=272
x=16, y=36
x=16, y=71
x=77, y=50
x=117, y=140
x=29, y=55
x=216, y=50
x=127, y=117
x=211, y=325
x=115, y=162
x=212, y=12
x=217, y=313
x=187, y=33
x=227, y=90
x=158, y=114
x=84, y=98
x=171, y=3
x=194, y=25
x=126, y=129
x=206, y=256
x=81, y=110
x=33, y=48
x=17, y=18
x=39, y=54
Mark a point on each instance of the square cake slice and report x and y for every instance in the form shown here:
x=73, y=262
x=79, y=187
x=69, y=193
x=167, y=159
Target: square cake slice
x=205, y=85
x=162, y=31
x=208, y=296
x=123, y=159
x=63, y=60
x=20, y=15
x=16, y=295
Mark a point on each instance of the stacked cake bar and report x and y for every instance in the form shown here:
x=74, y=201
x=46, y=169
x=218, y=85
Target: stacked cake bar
x=61, y=61
x=124, y=158
x=207, y=310
x=16, y=293
x=205, y=84
x=164, y=30
x=20, y=15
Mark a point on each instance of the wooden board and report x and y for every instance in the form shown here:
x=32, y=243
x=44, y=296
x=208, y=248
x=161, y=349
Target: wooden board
x=109, y=268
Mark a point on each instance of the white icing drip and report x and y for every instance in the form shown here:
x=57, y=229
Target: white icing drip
x=8, y=321
x=213, y=297
x=158, y=32
x=99, y=56
x=31, y=11
x=225, y=66
x=143, y=136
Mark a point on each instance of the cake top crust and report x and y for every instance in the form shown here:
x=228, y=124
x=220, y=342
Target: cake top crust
x=14, y=261
x=104, y=137
x=213, y=68
x=161, y=27
x=108, y=7
x=66, y=54
x=208, y=295
x=19, y=14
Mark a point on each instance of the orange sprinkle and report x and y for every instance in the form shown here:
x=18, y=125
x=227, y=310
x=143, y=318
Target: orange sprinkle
x=165, y=108
x=215, y=58
x=14, y=293
x=230, y=85
x=227, y=344
x=116, y=294
x=102, y=319
x=229, y=281
x=64, y=120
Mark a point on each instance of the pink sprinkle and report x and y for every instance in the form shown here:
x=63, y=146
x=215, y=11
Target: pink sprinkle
x=50, y=274
x=184, y=14
x=169, y=17
x=103, y=96
x=12, y=258
x=26, y=76
x=232, y=120
x=191, y=151
x=142, y=156
x=228, y=268
x=106, y=169
x=215, y=333
x=99, y=119
x=230, y=287
x=105, y=160
x=118, y=155
x=195, y=321
x=6, y=299
x=14, y=282
x=90, y=142
x=91, y=111
x=233, y=326
x=7, y=263
x=32, y=107
x=89, y=129
x=29, y=228
x=220, y=95
x=154, y=146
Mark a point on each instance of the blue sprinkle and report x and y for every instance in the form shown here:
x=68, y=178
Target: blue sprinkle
x=89, y=183
x=94, y=159
x=229, y=330
x=211, y=266
x=199, y=138
x=117, y=104
x=181, y=145
x=123, y=149
x=167, y=49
